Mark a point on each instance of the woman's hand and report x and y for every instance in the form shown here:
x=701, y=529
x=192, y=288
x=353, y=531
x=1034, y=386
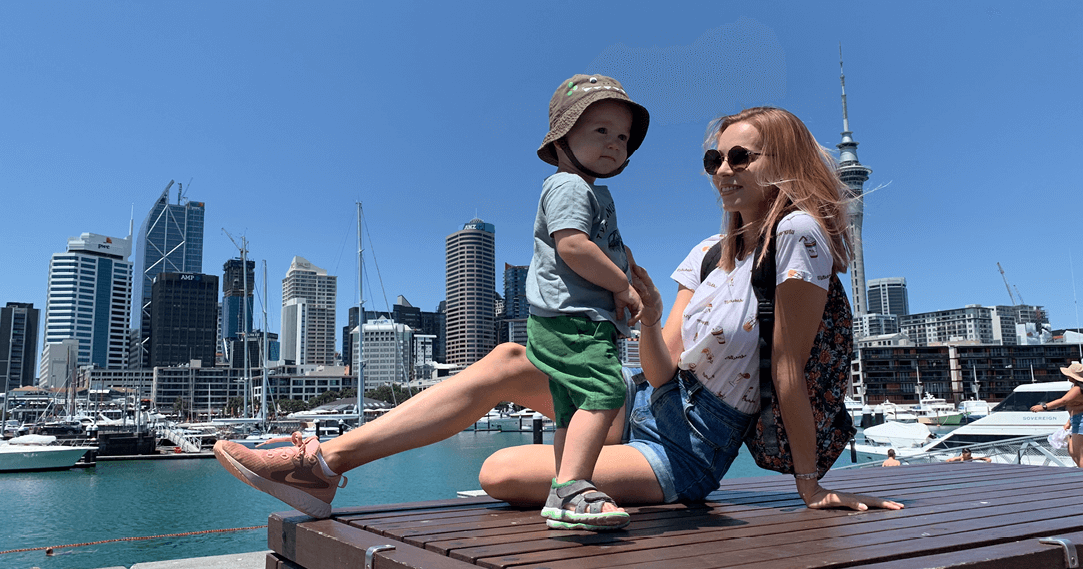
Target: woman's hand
x=819, y=498
x=1037, y=408
x=652, y=299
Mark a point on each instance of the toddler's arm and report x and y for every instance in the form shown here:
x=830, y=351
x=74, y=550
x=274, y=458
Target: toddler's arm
x=589, y=262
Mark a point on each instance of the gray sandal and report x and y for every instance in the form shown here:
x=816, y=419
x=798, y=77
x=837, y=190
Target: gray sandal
x=578, y=505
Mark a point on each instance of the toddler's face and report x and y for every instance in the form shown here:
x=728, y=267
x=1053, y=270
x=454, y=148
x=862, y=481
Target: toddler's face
x=599, y=138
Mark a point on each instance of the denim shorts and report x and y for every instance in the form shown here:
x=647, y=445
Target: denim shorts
x=687, y=434
x=1075, y=422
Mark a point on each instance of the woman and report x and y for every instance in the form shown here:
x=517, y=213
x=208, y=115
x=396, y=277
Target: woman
x=1072, y=401
x=766, y=167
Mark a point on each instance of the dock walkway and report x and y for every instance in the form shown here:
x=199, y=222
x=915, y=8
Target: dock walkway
x=973, y=515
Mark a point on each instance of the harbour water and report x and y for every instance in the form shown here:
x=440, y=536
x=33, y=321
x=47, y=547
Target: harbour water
x=139, y=498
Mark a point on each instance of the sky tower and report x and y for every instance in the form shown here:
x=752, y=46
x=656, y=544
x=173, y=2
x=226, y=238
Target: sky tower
x=853, y=174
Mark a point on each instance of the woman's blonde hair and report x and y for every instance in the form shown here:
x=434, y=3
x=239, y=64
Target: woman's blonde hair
x=804, y=174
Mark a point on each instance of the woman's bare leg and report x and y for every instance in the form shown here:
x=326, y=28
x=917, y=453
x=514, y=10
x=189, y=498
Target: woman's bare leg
x=522, y=475
x=436, y=413
x=1075, y=448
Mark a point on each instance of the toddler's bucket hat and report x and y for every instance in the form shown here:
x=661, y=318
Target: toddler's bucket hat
x=574, y=96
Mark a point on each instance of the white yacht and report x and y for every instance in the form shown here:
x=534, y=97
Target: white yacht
x=1010, y=419
x=38, y=452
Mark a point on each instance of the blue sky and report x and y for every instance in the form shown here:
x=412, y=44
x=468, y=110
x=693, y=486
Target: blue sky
x=281, y=115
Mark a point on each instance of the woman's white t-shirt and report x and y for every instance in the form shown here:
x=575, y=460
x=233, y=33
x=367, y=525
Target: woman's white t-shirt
x=719, y=329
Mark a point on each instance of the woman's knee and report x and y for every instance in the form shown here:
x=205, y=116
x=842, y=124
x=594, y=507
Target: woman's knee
x=518, y=475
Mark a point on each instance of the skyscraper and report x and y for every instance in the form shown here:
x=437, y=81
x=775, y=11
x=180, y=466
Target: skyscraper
x=516, y=307
x=471, y=292
x=184, y=318
x=237, y=287
x=169, y=241
x=888, y=296
x=309, y=296
x=854, y=175
x=18, y=344
x=90, y=299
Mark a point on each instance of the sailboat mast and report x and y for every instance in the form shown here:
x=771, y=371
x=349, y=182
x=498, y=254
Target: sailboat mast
x=244, y=322
x=360, y=325
x=266, y=387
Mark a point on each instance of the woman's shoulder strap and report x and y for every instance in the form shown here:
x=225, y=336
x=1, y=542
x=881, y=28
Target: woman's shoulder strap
x=710, y=260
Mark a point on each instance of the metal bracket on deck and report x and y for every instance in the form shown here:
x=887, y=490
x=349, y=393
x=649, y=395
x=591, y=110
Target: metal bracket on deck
x=370, y=553
x=1069, y=550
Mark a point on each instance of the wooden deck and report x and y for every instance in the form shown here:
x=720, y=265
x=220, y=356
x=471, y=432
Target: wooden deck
x=973, y=515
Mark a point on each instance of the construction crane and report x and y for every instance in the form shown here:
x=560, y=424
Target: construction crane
x=1006, y=285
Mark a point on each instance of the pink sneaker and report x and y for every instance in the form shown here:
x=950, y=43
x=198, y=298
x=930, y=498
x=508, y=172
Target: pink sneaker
x=291, y=474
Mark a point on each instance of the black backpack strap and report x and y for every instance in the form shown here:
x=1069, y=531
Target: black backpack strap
x=764, y=276
x=710, y=261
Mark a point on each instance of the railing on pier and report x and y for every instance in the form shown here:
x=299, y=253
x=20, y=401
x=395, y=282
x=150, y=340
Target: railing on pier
x=187, y=443
x=1033, y=451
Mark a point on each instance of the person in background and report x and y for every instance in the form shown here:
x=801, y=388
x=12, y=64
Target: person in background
x=1072, y=401
x=965, y=456
x=891, y=460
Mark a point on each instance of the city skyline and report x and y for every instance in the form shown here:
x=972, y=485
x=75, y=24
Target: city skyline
x=279, y=121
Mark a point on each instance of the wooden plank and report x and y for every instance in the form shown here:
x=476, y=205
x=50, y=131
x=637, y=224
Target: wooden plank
x=329, y=544
x=1023, y=554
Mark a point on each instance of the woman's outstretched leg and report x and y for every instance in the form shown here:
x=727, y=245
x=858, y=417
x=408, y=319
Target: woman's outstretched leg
x=307, y=474
x=436, y=413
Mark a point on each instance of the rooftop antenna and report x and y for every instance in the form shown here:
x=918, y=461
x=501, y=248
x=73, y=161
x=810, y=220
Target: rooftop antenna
x=131, y=222
x=842, y=77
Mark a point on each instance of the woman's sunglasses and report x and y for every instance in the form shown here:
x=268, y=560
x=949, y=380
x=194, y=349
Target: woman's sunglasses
x=739, y=158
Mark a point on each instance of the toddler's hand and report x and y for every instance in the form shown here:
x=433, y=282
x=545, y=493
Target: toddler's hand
x=628, y=298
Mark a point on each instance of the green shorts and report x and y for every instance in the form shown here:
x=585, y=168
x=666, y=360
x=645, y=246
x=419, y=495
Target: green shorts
x=580, y=357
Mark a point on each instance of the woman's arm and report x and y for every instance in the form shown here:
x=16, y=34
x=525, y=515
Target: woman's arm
x=659, y=348
x=799, y=308
x=1073, y=395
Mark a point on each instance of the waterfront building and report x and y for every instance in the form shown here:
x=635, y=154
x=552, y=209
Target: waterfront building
x=471, y=293
x=999, y=325
x=420, y=321
x=90, y=299
x=874, y=324
x=629, y=349
x=888, y=296
x=951, y=370
x=973, y=323
x=184, y=317
x=854, y=175
x=18, y=344
x=516, y=307
x=58, y=363
x=387, y=352
x=238, y=284
x=210, y=388
x=309, y=296
x=424, y=365
x=348, y=357
x=170, y=240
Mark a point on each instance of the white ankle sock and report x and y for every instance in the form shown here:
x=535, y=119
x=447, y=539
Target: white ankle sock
x=323, y=464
